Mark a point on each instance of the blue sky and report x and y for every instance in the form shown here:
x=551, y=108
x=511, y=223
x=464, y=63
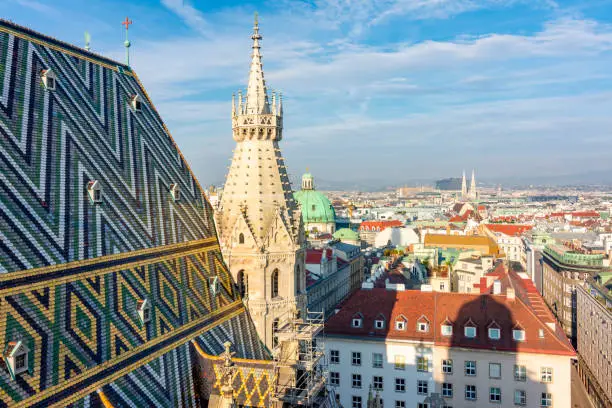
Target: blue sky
x=389, y=90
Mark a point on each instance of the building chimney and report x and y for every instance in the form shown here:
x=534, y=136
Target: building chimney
x=497, y=287
x=510, y=295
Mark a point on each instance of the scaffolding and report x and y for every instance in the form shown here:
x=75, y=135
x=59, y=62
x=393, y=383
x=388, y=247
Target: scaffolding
x=299, y=361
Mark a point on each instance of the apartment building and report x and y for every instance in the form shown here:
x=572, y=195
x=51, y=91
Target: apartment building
x=594, y=336
x=467, y=350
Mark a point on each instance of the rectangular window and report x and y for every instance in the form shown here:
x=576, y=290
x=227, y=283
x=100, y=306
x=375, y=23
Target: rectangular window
x=495, y=394
x=422, y=405
x=447, y=366
x=400, y=325
x=520, y=373
x=377, y=383
x=400, y=404
x=356, y=322
x=520, y=397
x=518, y=335
x=377, y=360
x=334, y=356
x=400, y=362
x=422, y=364
x=447, y=390
x=447, y=330
x=495, y=370
x=422, y=387
x=356, y=358
x=546, y=399
x=356, y=380
x=494, y=334
x=356, y=401
x=400, y=385
x=470, y=368
x=470, y=332
x=546, y=374
x=470, y=392
x=334, y=378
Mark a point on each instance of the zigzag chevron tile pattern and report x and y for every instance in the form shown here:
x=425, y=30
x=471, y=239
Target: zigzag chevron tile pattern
x=73, y=271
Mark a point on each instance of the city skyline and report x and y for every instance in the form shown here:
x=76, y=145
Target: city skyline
x=526, y=78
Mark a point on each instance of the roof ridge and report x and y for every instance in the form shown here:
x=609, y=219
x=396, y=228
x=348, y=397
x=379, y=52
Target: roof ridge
x=68, y=47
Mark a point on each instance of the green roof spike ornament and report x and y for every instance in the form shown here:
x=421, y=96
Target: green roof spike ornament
x=87, y=40
x=127, y=43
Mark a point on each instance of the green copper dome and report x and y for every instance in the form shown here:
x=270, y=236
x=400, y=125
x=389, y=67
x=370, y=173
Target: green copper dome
x=316, y=207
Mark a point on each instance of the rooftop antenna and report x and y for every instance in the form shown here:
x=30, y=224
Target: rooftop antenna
x=127, y=43
x=87, y=40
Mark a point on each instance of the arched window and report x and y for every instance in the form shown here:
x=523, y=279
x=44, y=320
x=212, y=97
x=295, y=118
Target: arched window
x=298, y=279
x=274, y=283
x=240, y=283
x=241, y=238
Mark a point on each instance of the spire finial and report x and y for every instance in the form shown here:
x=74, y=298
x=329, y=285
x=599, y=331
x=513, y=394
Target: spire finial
x=256, y=19
x=87, y=40
x=127, y=43
x=256, y=95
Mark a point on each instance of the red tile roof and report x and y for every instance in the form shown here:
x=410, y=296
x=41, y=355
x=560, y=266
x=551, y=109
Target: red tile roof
x=509, y=229
x=456, y=308
x=379, y=225
x=313, y=256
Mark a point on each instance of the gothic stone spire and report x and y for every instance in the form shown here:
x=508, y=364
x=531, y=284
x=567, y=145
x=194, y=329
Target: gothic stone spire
x=257, y=96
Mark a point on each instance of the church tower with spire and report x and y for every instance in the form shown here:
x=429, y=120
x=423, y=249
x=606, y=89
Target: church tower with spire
x=473, y=192
x=463, y=186
x=258, y=221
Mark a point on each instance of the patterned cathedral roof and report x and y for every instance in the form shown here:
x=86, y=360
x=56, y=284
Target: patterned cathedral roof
x=100, y=214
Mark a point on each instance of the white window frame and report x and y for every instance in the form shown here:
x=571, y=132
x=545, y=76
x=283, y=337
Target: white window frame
x=357, y=322
x=495, y=366
x=49, y=75
x=494, y=333
x=447, y=330
x=400, y=362
x=378, y=383
x=518, y=335
x=422, y=387
x=400, y=384
x=377, y=360
x=400, y=324
x=447, y=390
x=472, y=367
x=520, y=372
x=447, y=366
x=423, y=327
x=356, y=380
x=474, y=391
x=356, y=358
x=520, y=397
x=493, y=395
x=467, y=331
x=334, y=356
x=546, y=375
x=422, y=363
x=546, y=399
x=175, y=191
x=379, y=324
x=334, y=378
x=356, y=401
x=144, y=311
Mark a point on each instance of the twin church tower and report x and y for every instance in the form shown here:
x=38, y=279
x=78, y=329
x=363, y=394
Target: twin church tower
x=258, y=221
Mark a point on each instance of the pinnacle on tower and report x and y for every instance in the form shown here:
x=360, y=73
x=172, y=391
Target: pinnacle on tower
x=257, y=94
x=463, y=185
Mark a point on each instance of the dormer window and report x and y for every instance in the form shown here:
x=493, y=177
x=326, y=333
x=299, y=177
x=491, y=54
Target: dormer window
x=175, y=191
x=94, y=189
x=144, y=311
x=494, y=333
x=447, y=329
x=423, y=324
x=469, y=330
x=16, y=357
x=135, y=103
x=400, y=323
x=49, y=79
x=379, y=323
x=356, y=322
x=518, y=334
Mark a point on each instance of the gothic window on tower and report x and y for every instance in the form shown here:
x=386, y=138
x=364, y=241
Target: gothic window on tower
x=274, y=283
x=241, y=238
x=240, y=282
x=274, y=330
